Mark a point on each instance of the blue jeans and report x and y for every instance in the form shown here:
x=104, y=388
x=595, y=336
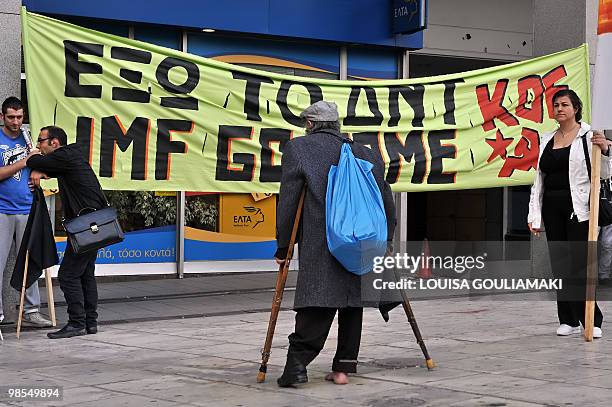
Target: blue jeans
x=605, y=251
x=12, y=228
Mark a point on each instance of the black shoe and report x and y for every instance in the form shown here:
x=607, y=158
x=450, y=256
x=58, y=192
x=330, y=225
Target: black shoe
x=91, y=330
x=606, y=282
x=68, y=331
x=294, y=373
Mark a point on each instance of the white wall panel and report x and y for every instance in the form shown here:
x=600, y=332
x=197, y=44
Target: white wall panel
x=483, y=43
x=492, y=29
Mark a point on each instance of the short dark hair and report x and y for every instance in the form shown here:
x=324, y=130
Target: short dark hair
x=573, y=97
x=11, y=102
x=54, y=132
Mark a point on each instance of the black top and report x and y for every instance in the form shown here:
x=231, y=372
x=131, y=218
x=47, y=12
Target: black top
x=554, y=163
x=79, y=187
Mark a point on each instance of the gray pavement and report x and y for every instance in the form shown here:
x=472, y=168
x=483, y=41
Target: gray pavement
x=171, y=298
x=205, y=349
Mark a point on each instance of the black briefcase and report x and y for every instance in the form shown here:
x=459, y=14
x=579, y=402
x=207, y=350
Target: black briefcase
x=93, y=230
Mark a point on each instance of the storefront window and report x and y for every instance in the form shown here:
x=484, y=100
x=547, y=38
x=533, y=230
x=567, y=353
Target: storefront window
x=290, y=58
x=166, y=37
x=202, y=211
x=143, y=209
x=149, y=223
x=371, y=63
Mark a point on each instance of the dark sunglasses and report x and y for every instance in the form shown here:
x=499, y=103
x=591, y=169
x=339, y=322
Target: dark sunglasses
x=40, y=140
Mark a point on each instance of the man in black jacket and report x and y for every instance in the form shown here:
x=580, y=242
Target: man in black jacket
x=79, y=189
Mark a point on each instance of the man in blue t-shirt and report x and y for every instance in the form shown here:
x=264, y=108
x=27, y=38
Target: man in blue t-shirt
x=16, y=200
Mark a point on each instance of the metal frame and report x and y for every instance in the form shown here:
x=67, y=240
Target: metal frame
x=343, y=63
x=180, y=207
x=506, y=214
x=180, y=234
x=401, y=198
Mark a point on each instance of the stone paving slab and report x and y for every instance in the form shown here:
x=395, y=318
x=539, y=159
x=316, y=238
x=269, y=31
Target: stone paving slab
x=113, y=290
x=488, y=353
x=203, y=349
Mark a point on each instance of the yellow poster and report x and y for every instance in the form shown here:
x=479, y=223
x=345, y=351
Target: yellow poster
x=240, y=214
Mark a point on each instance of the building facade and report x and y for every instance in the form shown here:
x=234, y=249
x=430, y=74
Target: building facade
x=321, y=39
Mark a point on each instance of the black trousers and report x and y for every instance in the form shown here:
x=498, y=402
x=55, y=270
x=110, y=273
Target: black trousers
x=312, y=325
x=568, y=248
x=78, y=283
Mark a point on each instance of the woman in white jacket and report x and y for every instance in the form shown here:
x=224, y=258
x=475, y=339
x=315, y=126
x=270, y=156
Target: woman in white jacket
x=559, y=204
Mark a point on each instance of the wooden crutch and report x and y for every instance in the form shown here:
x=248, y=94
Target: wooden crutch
x=50, y=298
x=23, y=290
x=415, y=329
x=281, y=279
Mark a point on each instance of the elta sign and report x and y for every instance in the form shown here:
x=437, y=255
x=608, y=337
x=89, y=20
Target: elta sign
x=408, y=16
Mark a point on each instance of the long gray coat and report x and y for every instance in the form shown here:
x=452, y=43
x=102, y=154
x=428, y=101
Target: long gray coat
x=322, y=280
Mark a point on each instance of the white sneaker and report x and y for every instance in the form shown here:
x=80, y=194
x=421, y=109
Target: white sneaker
x=565, y=330
x=597, y=332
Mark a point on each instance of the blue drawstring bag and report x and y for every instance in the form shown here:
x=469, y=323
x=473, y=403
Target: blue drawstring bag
x=356, y=224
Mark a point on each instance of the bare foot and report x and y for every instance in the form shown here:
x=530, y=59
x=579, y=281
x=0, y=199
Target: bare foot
x=337, y=377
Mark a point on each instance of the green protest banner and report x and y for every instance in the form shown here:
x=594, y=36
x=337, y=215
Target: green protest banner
x=152, y=118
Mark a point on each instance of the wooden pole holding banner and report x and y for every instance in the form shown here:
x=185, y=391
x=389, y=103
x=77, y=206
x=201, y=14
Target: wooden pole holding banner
x=591, y=275
x=281, y=279
x=50, y=299
x=23, y=290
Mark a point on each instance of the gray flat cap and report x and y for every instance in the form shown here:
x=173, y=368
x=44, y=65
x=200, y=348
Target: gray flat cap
x=321, y=111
